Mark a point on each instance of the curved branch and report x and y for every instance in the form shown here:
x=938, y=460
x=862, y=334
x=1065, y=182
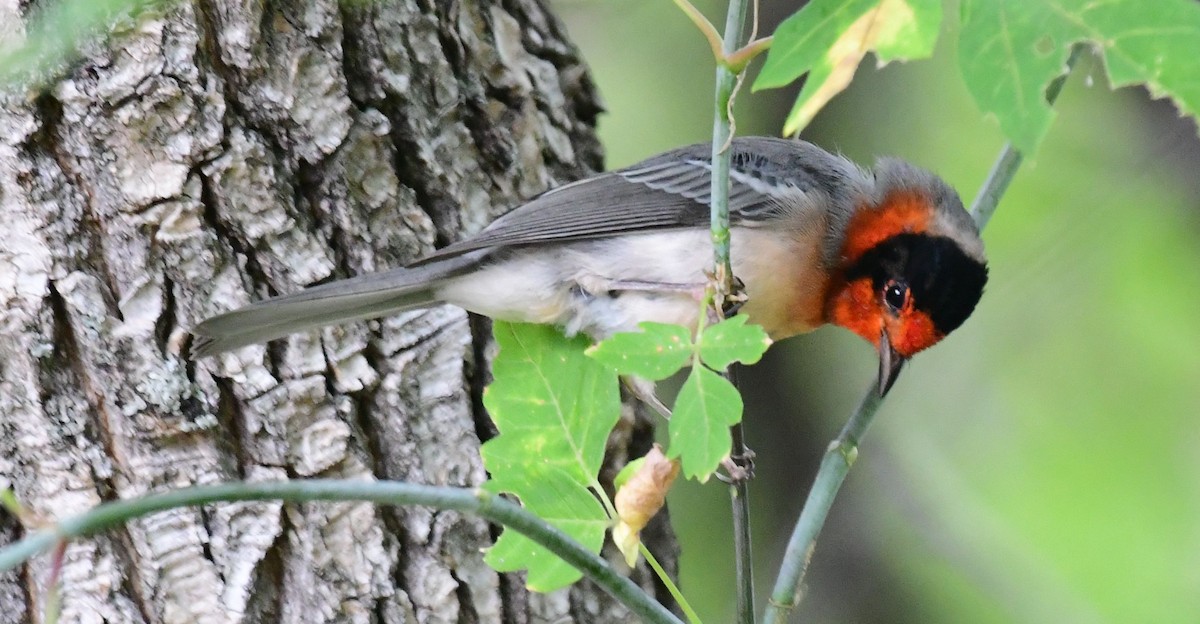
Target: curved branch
x=480, y=502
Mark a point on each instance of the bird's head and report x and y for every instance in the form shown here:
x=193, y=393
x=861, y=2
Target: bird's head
x=911, y=267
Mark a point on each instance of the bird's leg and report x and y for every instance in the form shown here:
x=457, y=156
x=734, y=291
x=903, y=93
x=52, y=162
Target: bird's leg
x=616, y=286
x=643, y=390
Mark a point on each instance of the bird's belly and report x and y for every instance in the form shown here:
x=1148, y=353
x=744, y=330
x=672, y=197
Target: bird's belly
x=598, y=287
x=605, y=286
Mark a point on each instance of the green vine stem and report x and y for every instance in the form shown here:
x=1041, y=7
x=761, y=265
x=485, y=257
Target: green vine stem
x=842, y=452
x=722, y=134
x=739, y=490
x=480, y=502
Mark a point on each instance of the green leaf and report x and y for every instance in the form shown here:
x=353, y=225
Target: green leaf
x=1010, y=51
x=706, y=407
x=554, y=408
x=558, y=498
x=656, y=352
x=829, y=38
x=732, y=340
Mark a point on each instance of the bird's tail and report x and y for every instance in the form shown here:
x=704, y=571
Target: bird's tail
x=367, y=296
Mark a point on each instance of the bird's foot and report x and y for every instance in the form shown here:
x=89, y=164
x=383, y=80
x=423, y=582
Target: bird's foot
x=738, y=468
x=730, y=304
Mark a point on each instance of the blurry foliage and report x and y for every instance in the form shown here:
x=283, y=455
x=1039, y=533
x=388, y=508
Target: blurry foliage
x=1042, y=464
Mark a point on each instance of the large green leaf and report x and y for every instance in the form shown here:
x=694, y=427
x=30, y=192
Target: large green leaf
x=1010, y=50
x=557, y=498
x=554, y=408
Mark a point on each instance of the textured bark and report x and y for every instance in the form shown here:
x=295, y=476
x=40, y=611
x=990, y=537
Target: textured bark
x=219, y=152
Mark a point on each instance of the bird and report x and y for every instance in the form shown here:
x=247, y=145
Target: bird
x=888, y=253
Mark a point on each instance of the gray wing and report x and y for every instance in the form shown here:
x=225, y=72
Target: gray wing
x=671, y=190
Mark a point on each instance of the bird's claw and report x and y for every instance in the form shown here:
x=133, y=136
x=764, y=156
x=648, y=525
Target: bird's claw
x=737, y=469
x=731, y=303
x=735, y=299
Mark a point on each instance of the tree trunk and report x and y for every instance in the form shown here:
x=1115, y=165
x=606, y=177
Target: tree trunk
x=218, y=152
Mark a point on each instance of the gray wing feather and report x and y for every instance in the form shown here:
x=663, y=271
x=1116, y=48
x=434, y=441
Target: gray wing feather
x=668, y=191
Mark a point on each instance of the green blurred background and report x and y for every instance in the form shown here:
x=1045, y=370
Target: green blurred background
x=1040, y=466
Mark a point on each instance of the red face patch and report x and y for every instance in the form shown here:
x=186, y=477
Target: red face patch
x=856, y=307
x=911, y=331
x=900, y=212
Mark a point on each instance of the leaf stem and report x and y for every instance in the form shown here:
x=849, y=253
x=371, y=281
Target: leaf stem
x=742, y=57
x=673, y=589
x=609, y=508
x=842, y=452
x=482, y=503
x=705, y=27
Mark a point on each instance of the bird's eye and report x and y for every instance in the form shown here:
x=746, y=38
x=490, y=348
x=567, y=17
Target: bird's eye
x=894, y=295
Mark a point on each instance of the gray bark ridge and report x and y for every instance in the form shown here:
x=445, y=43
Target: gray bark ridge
x=218, y=152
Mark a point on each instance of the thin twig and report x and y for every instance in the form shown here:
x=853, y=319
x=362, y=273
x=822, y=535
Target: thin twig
x=480, y=502
x=842, y=452
x=739, y=490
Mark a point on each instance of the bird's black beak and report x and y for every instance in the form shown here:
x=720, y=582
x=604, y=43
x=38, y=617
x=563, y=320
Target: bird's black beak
x=890, y=364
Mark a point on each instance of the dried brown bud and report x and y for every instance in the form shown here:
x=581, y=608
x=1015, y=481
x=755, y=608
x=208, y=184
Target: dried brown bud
x=640, y=498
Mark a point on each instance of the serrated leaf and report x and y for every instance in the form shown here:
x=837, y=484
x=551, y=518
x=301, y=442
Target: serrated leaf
x=656, y=352
x=1010, y=51
x=829, y=38
x=559, y=499
x=554, y=408
x=706, y=407
x=732, y=340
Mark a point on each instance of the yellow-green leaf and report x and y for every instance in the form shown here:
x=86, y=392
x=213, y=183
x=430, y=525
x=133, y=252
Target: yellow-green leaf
x=732, y=340
x=829, y=38
x=656, y=352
